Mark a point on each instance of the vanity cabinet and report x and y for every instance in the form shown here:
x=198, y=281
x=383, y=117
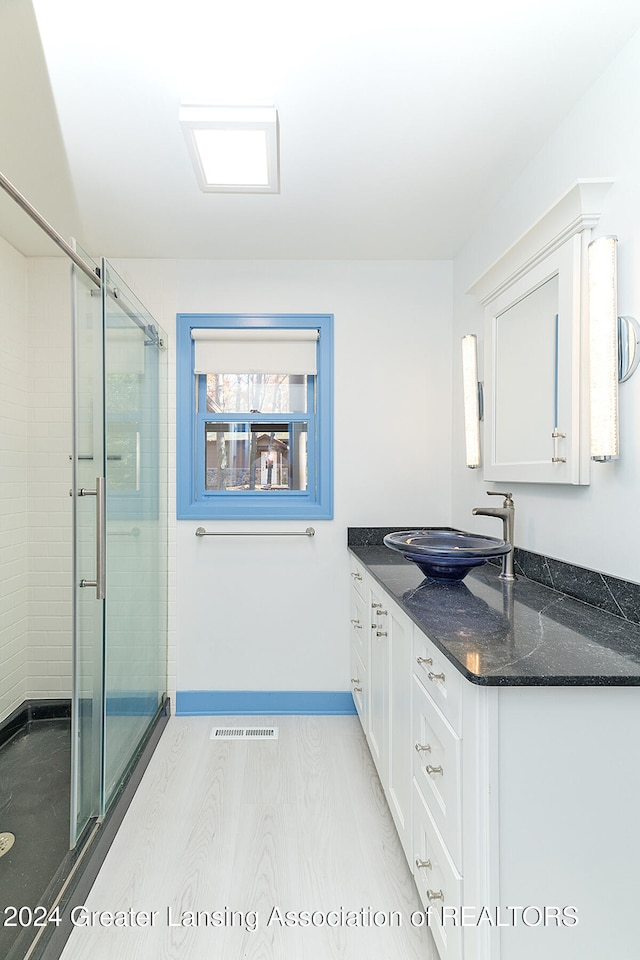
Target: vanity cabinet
x=359, y=643
x=381, y=664
x=516, y=803
x=437, y=856
x=399, y=724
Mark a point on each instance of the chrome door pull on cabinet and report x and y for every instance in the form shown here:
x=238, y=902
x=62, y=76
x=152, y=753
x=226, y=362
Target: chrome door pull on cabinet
x=422, y=660
x=436, y=676
x=431, y=770
x=435, y=894
x=423, y=746
x=423, y=863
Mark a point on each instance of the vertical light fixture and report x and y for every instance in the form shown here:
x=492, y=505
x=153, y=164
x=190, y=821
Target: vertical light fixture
x=472, y=400
x=603, y=348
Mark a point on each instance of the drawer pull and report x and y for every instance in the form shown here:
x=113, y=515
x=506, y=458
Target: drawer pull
x=357, y=624
x=381, y=633
x=381, y=613
x=356, y=576
x=423, y=863
x=422, y=660
x=435, y=895
x=423, y=746
x=355, y=679
x=436, y=676
x=374, y=605
x=357, y=689
x=431, y=770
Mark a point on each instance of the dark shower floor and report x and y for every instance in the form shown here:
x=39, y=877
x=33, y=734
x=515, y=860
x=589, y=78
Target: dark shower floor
x=34, y=805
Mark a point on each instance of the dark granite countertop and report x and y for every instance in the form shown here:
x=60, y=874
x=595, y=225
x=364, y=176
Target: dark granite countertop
x=501, y=634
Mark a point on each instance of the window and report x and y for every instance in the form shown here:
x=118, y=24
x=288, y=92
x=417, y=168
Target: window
x=255, y=412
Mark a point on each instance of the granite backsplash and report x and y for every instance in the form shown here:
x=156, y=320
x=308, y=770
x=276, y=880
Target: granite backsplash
x=618, y=597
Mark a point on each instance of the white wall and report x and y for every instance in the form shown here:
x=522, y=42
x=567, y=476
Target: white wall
x=270, y=614
x=588, y=526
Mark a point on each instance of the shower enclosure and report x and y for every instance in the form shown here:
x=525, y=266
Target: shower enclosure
x=83, y=572
x=120, y=536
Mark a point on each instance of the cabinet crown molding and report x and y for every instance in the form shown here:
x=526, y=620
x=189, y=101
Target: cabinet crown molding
x=577, y=210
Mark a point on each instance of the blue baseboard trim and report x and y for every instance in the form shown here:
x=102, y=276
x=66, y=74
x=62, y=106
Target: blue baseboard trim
x=209, y=703
x=132, y=705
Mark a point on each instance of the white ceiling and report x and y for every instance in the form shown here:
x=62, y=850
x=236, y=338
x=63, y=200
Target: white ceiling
x=401, y=123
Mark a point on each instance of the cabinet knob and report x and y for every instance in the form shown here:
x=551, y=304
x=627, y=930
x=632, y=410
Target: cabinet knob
x=431, y=770
x=423, y=746
x=423, y=863
x=435, y=894
x=422, y=660
x=357, y=624
x=436, y=676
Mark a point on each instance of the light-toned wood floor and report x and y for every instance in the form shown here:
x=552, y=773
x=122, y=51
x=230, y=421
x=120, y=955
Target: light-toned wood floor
x=300, y=824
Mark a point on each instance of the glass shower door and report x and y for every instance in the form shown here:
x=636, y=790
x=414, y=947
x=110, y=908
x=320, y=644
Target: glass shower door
x=120, y=537
x=88, y=614
x=135, y=614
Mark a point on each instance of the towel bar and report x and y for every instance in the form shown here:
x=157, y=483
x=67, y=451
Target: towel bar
x=309, y=532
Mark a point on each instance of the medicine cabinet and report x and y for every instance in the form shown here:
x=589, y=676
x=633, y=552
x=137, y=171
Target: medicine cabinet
x=535, y=333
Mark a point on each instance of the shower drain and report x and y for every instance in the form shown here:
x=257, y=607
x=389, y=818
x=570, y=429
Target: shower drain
x=7, y=840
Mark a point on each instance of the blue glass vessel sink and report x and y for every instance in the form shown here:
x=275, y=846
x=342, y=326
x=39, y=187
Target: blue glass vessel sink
x=445, y=554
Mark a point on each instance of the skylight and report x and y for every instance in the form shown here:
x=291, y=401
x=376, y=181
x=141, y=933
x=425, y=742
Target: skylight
x=233, y=149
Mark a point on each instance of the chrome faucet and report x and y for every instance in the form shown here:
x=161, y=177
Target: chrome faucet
x=506, y=513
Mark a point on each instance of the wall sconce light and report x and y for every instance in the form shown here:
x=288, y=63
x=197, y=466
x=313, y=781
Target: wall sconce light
x=473, y=400
x=614, y=352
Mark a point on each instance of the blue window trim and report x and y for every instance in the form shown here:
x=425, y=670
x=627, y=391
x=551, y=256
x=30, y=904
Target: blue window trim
x=193, y=503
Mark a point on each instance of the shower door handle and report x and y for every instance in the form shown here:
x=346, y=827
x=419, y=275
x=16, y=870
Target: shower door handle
x=101, y=529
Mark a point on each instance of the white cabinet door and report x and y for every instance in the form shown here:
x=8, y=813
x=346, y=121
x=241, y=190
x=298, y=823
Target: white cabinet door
x=400, y=749
x=360, y=625
x=359, y=685
x=379, y=684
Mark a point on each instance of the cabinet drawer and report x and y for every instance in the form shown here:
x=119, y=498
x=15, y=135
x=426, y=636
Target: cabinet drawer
x=437, y=759
x=439, y=677
x=357, y=576
x=437, y=879
x=359, y=685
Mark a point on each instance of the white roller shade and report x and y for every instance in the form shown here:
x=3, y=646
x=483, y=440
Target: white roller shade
x=255, y=351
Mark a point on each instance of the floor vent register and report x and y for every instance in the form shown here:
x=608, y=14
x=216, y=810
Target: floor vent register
x=244, y=733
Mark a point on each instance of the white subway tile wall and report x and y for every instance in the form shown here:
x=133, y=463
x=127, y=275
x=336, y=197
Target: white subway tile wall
x=47, y=378
x=14, y=397
x=35, y=506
